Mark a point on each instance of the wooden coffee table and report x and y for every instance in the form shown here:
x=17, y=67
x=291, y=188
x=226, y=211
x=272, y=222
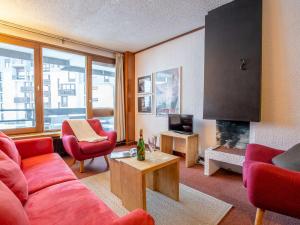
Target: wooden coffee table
x=130, y=177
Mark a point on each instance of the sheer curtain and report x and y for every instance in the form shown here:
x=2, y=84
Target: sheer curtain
x=119, y=113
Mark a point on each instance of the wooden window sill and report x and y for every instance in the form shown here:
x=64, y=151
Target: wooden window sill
x=54, y=134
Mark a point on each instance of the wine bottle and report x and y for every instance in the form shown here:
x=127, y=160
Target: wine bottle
x=141, y=147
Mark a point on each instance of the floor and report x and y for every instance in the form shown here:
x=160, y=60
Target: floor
x=224, y=185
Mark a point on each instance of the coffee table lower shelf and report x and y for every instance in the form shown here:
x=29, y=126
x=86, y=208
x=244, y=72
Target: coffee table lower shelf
x=129, y=178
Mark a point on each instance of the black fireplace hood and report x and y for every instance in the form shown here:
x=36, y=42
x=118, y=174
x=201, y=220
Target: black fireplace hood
x=232, y=77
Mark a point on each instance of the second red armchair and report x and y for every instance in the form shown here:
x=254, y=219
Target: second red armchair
x=88, y=150
x=270, y=187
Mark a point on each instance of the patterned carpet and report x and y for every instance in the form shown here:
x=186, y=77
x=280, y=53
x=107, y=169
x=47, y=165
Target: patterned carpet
x=224, y=185
x=194, y=207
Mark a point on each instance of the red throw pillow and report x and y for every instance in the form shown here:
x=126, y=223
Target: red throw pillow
x=11, y=210
x=13, y=177
x=7, y=145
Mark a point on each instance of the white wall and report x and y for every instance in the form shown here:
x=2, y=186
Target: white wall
x=280, y=125
x=187, y=52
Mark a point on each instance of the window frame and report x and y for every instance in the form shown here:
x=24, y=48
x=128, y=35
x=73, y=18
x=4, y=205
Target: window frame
x=58, y=48
x=37, y=82
x=38, y=79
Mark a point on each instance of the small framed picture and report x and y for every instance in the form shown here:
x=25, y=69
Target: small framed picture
x=145, y=104
x=145, y=84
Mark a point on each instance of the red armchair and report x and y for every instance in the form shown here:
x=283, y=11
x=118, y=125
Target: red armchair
x=270, y=187
x=88, y=150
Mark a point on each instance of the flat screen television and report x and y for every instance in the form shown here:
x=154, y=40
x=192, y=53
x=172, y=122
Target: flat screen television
x=181, y=123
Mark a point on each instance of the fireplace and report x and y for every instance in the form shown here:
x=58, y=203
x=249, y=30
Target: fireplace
x=232, y=139
x=232, y=134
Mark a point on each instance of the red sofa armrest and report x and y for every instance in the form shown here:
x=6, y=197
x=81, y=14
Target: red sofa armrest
x=261, y=153
x=34, y=146
x=136, y=217
x=273, y=188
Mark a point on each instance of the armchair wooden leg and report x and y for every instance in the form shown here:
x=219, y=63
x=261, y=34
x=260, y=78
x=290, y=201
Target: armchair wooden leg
x=81, y=170
x=107, y=162
x=73, y=162
x=259, y=216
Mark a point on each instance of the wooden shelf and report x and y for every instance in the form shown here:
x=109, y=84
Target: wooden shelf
x=183, y=143
x=177, y=135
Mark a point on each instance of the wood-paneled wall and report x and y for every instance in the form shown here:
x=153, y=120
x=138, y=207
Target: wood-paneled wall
x=129, y=79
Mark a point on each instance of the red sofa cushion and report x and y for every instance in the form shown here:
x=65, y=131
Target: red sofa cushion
x=74, y=204
x=8, y=146
x=45, y=170
x=94, y=147
x=11, y=210
x=12, y=176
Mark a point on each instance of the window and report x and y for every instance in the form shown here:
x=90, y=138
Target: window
x=17, y=70
x=46, y=88
x=25, y=107
x=67, y=89
x=103, y=89
x=64, y=87
x=71, y=77
x=64, y=101
x=46, y=67
x=6, y=63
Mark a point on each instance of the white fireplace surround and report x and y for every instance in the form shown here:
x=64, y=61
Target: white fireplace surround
x=214, y=160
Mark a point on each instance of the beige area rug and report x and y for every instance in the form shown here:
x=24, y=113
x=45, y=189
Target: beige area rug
x=193, y=208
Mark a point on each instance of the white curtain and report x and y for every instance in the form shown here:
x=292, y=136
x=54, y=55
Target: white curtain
x=119, y=112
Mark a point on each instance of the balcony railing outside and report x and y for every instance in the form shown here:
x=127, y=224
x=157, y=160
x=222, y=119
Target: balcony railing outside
x=47, y=82
x=53, y=118
x=26, y=89
x=66, y=92
x=21, y=100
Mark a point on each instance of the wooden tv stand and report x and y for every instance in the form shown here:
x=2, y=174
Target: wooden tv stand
x=188, y=144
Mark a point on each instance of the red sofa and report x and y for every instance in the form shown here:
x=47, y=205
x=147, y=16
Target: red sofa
x=38, y=188
x=270, y=187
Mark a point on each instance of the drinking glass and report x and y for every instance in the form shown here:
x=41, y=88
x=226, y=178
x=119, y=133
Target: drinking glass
x=151, y=145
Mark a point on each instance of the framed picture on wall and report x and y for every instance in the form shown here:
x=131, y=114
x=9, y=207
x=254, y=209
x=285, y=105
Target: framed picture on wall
x=145, y=84
x=168, y=91
x=145, y=104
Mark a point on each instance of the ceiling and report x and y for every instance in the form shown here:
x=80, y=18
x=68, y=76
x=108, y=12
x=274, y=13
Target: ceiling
x=122, y=25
